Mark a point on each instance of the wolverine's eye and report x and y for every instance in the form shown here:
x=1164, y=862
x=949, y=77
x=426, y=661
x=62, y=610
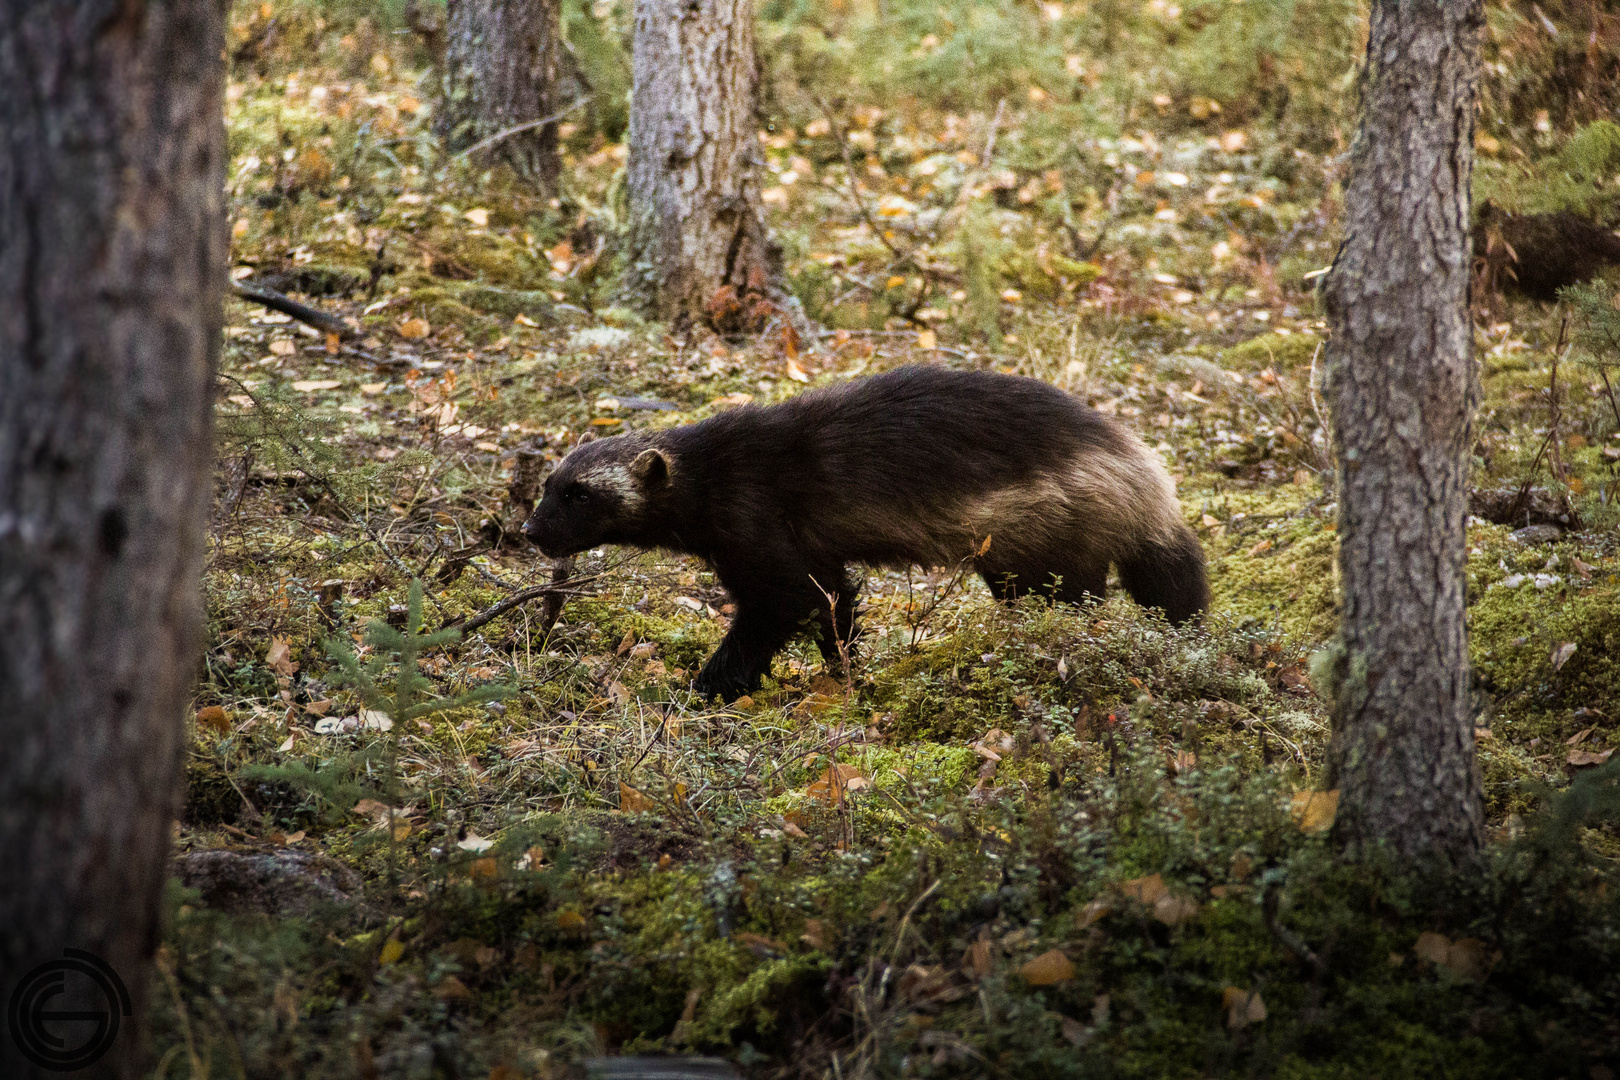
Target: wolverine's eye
x=576, y=493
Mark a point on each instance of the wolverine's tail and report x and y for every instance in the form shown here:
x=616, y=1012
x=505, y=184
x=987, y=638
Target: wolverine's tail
x=1169, y=574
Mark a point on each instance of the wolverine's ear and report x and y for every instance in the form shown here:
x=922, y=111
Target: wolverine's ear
x=651, y=467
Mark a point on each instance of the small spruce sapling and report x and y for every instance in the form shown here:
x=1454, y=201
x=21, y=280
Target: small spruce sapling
x=410, y=697
x=1598, y=334
x=402, y=695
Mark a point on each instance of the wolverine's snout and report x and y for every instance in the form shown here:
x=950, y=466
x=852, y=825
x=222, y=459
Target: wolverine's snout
x=537, y=535
x=552, y=540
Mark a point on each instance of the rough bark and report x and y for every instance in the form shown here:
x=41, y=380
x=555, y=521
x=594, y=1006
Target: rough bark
x=699, y=249
x=112, y=268
x=499, y=71
x=1402, y=387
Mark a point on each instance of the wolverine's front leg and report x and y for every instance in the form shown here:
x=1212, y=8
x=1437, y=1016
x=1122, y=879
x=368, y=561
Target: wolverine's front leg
x=744, y=656
x=770, y=606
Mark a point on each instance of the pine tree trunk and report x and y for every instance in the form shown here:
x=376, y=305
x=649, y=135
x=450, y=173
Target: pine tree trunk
x=499, y=72
x=699, y=250
x=1402, y=387
x=112, y=265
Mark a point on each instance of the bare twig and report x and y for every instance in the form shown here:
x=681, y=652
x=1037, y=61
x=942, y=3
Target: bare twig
x=854, y=185
x=518, y=129
x=905, y=921
x=1549, y=444
x=324, y=322
x=1609, y=390
x=303, y=466
x=1289, y=940
x=1556, y=457
x=990, y=140
x=552, y=592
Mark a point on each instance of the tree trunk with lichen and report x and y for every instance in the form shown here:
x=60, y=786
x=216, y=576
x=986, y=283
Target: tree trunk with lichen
x=112, y=268
x=699, y=249
x=1401, y=383
x=499, y=72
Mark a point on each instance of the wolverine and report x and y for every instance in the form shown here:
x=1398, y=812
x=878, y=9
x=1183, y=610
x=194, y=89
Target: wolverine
x=918, y=466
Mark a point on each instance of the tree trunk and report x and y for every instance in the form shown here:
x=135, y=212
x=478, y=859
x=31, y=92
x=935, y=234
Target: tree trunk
x=1402, y=387
x=699, y=250
x=500, y=72
x=112, y=266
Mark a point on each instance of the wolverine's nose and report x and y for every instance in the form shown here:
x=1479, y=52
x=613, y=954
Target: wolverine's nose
x=530, y=529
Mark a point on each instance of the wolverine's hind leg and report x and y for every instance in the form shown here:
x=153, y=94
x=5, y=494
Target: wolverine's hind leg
x=836, y=625
x=1169, y=575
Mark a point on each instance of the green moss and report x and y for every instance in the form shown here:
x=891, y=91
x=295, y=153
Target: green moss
x=1292, y=584
x=1280, y=352
x=1518, y=632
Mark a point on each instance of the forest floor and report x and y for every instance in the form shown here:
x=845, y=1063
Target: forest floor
x=1020, y=841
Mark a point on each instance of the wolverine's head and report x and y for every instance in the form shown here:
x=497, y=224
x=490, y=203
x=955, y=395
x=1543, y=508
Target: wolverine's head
x=598, y=494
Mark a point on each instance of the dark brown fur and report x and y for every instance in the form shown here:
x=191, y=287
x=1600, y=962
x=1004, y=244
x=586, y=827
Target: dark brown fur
x=1541, y=253
x=922, y=465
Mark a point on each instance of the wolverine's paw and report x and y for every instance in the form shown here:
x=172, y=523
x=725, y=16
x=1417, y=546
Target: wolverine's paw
x=725, y=685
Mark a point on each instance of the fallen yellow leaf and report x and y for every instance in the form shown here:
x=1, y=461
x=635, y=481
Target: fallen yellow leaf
x=1314, y=811
x=1048, y=969
x=414, y=329
x=214, y=718
x=1432, y=947
x=1174, y=910
x=1145, y=890
x=980, y=956
x=1464, y=958
x=632, y=801
x=279, y=658
x=1243, y=1007
x=452, y=989
x=839, y=778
